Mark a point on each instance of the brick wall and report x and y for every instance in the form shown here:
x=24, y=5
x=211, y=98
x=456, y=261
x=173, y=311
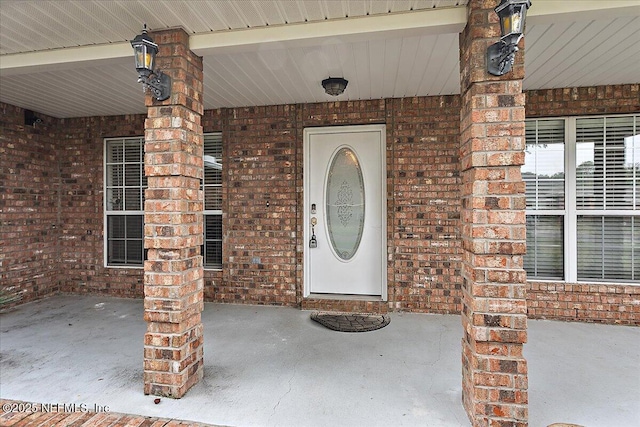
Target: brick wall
x=80, y=146
x=585, y=302
x=424, y=201
x=493, y=229
x=422, y=150
x=261, y=206
x=262, y=193
x=29, y=200
x=578, y=101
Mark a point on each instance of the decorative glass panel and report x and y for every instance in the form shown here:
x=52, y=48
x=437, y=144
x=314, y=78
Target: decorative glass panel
x=345, y=203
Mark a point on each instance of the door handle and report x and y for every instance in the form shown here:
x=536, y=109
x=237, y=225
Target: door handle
x=313, y=242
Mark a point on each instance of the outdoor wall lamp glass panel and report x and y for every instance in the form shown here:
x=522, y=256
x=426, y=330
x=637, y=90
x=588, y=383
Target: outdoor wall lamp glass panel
x=500, y=56
x=334, y=86
x=145, y=51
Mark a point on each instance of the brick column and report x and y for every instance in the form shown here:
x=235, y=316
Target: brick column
x=494, y=314
x=173, y=275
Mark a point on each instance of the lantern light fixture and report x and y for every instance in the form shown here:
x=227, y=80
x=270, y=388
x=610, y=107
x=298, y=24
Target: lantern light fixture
x=334, y=86
x=145, y=51
x=500, y=55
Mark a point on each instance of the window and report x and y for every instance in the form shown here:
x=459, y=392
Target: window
x=124, y=201
x=595, y=235
x=125, y=184
x=212, y=186
x=543, y=173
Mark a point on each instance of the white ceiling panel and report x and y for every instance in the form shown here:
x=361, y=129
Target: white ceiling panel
x=375, y=69
x=357, y=7
x=376, y=7
x=269, y=13
x=392, y=52
x=33, y=25
x=77, y=93
x=584, y=53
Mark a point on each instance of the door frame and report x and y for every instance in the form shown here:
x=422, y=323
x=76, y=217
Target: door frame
x=380, y=129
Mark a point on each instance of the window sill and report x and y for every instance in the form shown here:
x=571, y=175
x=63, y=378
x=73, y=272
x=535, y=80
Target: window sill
x=582, y=282
x=134, y=267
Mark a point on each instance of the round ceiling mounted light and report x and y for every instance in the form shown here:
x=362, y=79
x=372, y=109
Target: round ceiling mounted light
x=334, y=86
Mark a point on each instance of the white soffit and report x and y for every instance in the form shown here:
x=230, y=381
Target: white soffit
x=428, y=22
x=582, y=43
x=555, y=11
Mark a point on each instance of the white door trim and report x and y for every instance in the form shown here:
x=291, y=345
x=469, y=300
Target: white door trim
x=380, y=129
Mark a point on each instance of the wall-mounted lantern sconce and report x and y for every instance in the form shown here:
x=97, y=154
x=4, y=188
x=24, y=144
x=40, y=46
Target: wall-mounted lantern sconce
x=145, y=51
x=334, y=86
x=500, y=56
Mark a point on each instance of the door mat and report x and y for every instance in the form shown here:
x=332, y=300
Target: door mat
x=351, y=322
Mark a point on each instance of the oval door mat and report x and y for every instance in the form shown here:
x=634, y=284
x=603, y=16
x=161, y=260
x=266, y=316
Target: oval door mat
x=351, y=322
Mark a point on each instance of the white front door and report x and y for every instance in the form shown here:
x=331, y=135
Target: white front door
x=345, y=211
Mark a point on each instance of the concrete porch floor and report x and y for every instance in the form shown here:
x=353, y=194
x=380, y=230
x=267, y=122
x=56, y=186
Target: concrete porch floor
x=273, y=366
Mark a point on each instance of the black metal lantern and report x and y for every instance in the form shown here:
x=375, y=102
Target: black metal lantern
x=512, y=14
x=145, y=51
x=334, y=86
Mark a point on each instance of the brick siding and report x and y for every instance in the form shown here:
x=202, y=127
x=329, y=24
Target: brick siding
x=29, y=206
x=263, y=244
x=80, y=148
x=261, y=206
x=493, y=230
x=422, y=159
x=582, y=101
x=424, y=205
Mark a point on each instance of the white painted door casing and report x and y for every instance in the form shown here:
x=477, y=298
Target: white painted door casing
x=325, y=271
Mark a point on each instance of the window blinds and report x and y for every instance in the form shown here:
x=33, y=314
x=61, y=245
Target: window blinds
x=544, y=176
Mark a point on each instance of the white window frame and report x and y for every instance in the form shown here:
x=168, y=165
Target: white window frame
x=107, y=212
x=571, y=212
x=205, y=213
x=557, y=212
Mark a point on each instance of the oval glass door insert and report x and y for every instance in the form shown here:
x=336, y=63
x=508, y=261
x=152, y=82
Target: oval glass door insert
x=345, y=203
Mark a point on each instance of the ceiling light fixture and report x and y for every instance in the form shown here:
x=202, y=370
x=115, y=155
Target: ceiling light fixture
x=334, y=86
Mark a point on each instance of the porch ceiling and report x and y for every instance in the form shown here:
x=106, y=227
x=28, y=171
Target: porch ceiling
x=72, y=58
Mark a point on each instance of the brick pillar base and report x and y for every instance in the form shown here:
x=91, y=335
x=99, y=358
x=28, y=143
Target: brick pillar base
x=493, y=230
x=173, y=273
